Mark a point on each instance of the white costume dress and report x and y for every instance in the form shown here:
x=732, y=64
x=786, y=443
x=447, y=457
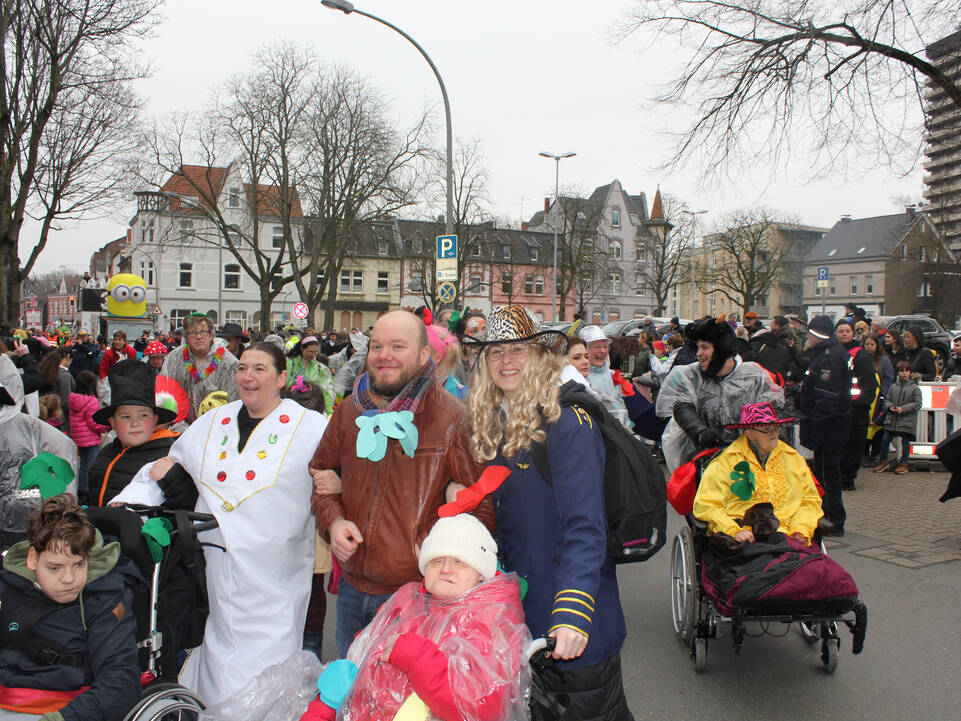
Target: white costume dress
x=259, y=587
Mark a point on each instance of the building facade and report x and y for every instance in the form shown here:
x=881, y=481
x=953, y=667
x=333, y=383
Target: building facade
x=942, y=179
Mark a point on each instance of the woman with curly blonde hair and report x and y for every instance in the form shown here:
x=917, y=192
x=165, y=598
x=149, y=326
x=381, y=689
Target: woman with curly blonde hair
x=551, y=533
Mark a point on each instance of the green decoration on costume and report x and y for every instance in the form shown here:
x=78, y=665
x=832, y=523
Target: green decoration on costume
x=156, y=532
x=50, y=473
x=375, y=430
x=743, y=486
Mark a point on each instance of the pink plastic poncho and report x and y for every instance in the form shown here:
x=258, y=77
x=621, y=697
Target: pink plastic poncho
x=464, y=658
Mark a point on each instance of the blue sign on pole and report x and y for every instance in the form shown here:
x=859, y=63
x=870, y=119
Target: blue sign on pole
x=446, y=247
x=822, y=272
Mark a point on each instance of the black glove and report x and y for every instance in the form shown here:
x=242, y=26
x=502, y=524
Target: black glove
x=687, y=418
x=710, y=438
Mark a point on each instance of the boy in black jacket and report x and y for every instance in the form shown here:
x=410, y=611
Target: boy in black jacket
x=68, y=649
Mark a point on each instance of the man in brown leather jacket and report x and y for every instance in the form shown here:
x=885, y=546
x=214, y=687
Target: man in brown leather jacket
x=389, y=496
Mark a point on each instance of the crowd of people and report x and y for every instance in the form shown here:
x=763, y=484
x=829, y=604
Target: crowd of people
x=334, y=454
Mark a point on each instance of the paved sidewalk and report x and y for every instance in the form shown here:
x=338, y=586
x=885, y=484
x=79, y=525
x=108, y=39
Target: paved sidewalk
x=902, y=520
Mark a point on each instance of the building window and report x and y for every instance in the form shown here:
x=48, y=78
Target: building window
x=924, y=290
x=532, y=252
x=854, y=285
x=382, y=247
x=186, y=275
x=186, y=231
x=416, y=281
x=615, y=250
x=233, y=198
x=232, y=276
x=529, y=284
x=615, y=217
x=614, y=314
x=640, y=283
x=921, y=253
x=869, y=284
x=539, y=285
x=475, y=250
x=904, y=252
x=276, y=280
x=236, y=316
x=277, y=237
x=475, y=284
x=833, y=289
x=146, y=271
x=383, y=281
x=352, y=281
x=507, y=283
x=320, y=279
x=177, y=316
x=506, y=251
x=615, y=281
x=641, y=254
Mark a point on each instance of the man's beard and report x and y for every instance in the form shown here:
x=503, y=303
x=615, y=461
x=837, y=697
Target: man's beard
x=390, y=390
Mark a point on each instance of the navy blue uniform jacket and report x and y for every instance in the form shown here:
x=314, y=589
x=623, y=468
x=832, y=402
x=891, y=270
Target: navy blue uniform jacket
x=555, y=536
x=825, y=398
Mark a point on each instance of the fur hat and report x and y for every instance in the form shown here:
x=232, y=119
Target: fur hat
x=462, y=537
x=821, y=327
x=515, y=324
x=719, y=334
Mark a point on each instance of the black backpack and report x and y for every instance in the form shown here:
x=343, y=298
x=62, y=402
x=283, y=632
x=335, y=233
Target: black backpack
x=635, y=492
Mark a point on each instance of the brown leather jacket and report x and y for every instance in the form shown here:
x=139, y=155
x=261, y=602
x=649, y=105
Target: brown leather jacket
x=394, y=502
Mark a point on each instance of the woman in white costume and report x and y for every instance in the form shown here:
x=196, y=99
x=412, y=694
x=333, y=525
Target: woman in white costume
x=248, y=460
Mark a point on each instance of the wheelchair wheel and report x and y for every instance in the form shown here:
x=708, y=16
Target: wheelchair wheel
x=699, y=654
x=810, y=631
x=830, y=646
x=683, y=586
x=166, y=702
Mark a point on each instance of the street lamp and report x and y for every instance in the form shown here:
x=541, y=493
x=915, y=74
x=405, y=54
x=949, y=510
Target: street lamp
x=693, y=214
x=347, y=8
x=557, y=175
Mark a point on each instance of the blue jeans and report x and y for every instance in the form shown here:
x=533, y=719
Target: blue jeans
x=906, y=439
x=355, y=610
x=87, y=456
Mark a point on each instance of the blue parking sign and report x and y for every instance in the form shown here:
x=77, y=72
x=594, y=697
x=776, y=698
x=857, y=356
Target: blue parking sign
x=446, y=247
x=822, y=272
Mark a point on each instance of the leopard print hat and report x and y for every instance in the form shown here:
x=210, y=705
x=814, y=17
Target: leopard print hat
x=515, y=324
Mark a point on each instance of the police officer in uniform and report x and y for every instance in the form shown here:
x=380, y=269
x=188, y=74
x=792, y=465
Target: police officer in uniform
x=825, y=403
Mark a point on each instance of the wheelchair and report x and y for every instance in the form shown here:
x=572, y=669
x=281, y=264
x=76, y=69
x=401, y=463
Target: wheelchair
x=162, y=698
x=697, y=620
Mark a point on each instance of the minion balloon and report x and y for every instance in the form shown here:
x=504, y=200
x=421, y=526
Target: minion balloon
x=127, y=296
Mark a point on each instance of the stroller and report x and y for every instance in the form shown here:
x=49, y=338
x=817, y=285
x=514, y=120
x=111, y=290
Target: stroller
x=172, y=614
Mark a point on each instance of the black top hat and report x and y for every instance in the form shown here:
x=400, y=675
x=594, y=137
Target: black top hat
x=132, y=383
x=233, y=330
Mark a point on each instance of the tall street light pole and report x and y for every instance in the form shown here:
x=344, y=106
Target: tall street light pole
x=693, y=214
x=347, y=8
x=557, y=176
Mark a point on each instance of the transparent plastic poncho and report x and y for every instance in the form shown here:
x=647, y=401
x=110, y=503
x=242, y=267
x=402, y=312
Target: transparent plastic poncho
x=23, y=437
x=482, y=635
x=718, y=401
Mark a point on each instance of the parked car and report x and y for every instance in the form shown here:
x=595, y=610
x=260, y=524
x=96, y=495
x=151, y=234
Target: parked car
x=935, y=336
x=621, y=327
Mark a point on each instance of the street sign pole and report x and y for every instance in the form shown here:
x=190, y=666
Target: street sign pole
x=822, y=283
x=446, y=268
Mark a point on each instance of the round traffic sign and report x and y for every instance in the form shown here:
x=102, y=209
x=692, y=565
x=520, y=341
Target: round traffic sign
x=300, y=310
x=447, y=291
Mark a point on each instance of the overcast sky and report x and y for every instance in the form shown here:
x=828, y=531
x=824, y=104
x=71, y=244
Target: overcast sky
x=522, y=76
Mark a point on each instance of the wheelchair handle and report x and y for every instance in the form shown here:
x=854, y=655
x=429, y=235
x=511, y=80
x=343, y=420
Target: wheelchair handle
x=540, y=646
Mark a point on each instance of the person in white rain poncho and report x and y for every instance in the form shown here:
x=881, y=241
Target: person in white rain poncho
x=248, y=460
x=701, y=398
x=23, y=437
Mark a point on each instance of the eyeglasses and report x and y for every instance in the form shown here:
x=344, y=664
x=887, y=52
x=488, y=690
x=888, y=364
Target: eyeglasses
x=198, y=333
x=515, y=351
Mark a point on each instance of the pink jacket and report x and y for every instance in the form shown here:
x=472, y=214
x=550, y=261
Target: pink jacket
x=84, y=431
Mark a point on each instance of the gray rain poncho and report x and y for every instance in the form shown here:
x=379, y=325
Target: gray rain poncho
x=23, y=437
x=718, y=401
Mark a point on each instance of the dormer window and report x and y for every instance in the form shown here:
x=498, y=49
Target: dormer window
x=506, y=251
x=862, y=249
x=833, y=251
x=532, y=253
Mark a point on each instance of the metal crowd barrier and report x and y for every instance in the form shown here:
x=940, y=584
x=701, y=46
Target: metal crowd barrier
x=934, y=422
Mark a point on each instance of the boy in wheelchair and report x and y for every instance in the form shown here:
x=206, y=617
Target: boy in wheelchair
x=67, y=634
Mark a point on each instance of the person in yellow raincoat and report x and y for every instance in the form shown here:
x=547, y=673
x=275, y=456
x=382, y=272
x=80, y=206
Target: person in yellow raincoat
x=758, y=468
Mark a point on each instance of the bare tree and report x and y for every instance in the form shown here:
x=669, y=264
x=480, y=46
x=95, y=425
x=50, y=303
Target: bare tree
x=763, y=76
x=746, y=256
x=663, y=251
x=65, y=114
x=583, y=263
x=360, y=166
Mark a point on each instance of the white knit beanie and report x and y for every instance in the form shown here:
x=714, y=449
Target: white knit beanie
x=462, y=537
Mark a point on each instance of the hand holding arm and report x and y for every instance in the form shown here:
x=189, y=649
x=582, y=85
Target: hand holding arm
x=326, y=482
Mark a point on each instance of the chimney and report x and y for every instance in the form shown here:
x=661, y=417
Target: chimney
x=911, y=210
x=524, y=225
x=440, y=218
x=846, y=218
x=547, y=205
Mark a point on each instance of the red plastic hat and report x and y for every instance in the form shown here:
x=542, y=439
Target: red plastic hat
x=155, y=347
